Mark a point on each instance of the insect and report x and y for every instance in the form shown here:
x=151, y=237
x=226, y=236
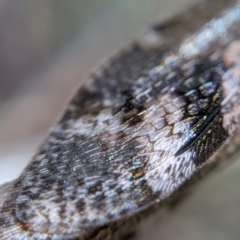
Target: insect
x=152, y=117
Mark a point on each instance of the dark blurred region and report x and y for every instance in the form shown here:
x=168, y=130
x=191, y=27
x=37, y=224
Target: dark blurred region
x=47, y=49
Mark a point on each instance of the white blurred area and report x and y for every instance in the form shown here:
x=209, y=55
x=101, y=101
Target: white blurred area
x=47, y=50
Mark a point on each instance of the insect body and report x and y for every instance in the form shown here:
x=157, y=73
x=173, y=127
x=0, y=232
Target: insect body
x=149, y=120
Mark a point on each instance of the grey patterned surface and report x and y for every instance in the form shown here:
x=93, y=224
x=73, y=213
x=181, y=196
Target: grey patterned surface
x=221, y=234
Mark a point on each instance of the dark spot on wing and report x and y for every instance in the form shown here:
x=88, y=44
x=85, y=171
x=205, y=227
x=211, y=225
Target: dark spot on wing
x=113, y=82
x=209, y=140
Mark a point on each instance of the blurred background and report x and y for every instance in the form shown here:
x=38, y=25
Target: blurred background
x=47, y=49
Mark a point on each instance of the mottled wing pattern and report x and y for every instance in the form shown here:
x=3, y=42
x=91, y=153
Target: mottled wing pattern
x=148, y=120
